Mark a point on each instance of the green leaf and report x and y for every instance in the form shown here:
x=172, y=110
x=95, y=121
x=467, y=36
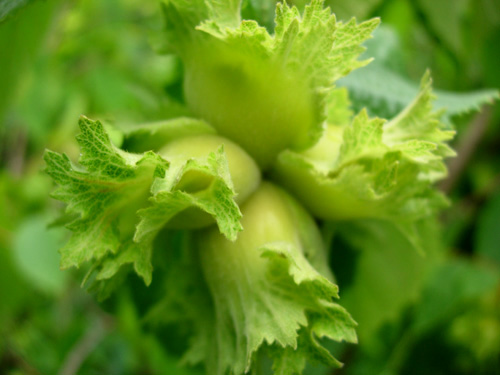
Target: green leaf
x=346, y=9
x=449, y=287
x=21, y=35
x=266, y=294
x=457, y=103
x=181, y=17
x=260, y=10
x=449, y=29
x=15, y=290
x=35, y=252
x=385, y=92
x=387, y=275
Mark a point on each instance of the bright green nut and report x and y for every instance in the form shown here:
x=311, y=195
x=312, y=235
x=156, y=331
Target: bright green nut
x=315, y=187
x=257, y=105
x=266, y=218
x=244, y=174
x=270, y=215
x=320, y=194
x=264, y=283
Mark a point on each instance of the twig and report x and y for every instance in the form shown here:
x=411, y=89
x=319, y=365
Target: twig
x=81, y=350
x=13, y=148
x=465, y=148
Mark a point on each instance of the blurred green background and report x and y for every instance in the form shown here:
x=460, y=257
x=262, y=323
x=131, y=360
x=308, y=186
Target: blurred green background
x=432, y=314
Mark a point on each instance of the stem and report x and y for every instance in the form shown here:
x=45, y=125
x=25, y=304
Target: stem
x=86, y=345
x=466, y=148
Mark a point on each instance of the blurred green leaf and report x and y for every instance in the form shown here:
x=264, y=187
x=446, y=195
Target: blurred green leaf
x=262, y=11
x=9, y=7
x=487, y=238
x=490, y=57
x=35, y=252
x=446, y=18
x=12, y=287
x=384, y=91
x=21, y=37
x=450, y=286
x=346, y=9
x=478, y=331
x=387, y=276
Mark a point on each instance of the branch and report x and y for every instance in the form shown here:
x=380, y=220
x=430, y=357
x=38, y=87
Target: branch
x=89, y=341
x=466, y=148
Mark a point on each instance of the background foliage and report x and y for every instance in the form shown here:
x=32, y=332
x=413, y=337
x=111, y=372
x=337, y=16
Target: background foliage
x=433, y=314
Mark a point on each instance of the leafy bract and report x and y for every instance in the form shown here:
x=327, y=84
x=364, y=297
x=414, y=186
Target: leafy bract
x=267, y=298
x=315, y=44
x=259, y=296
x=419, y=135
x=181, y=191
x=102, y=190
x=278, y=81
x=108, y=193
x=244, y=173
x=373, y=168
